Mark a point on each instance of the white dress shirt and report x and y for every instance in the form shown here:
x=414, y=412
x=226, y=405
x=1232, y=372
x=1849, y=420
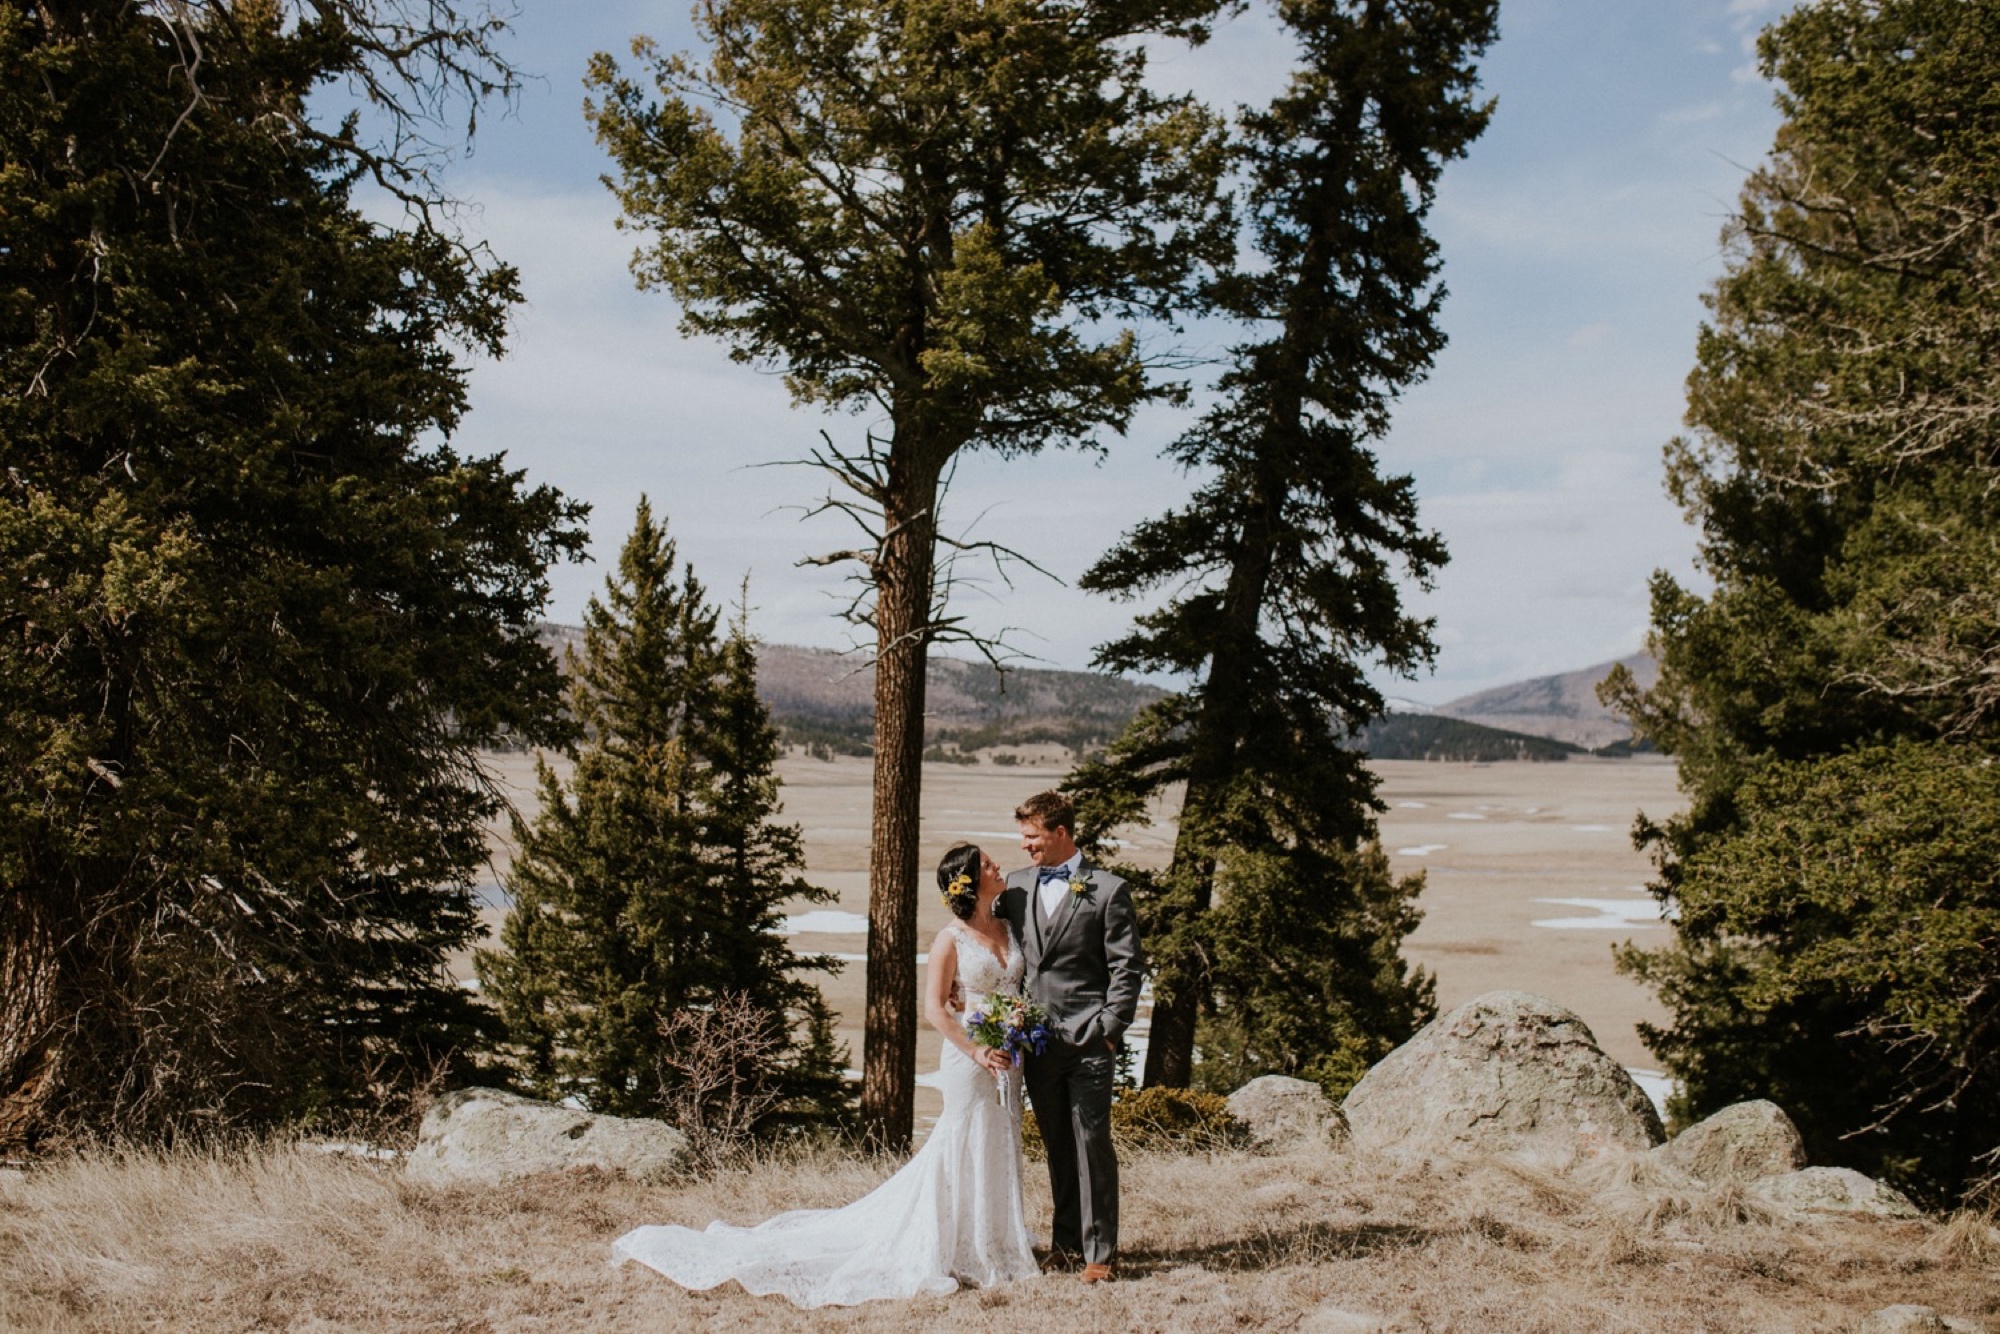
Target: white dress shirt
x=1051, y=892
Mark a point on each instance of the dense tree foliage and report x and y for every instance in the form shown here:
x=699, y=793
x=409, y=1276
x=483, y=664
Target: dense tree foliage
x=1840, y=676
x=934, y=213
x=1286, y=559
x=651, y=881
x=1305, y=968
x=258, y=612
x=1838, y=943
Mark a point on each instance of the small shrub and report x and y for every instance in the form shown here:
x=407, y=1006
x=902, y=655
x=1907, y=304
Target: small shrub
x=1181, y=1119
x=1159, y=1120
x=715, y=1084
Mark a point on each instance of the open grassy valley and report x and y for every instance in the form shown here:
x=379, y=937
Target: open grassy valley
x=1530, y=879
x=1531, y=876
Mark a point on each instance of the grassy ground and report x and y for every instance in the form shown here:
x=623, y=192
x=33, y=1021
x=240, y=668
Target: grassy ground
x=288, y=1238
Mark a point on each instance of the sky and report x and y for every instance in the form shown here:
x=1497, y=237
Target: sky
x=1578, y=236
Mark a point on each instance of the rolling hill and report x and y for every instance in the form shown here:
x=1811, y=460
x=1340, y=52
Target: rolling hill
x=1563, y=707
x=1430, y=736
x=823, y=700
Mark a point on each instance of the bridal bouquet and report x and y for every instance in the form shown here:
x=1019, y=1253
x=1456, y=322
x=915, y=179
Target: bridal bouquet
x=1012, y=1024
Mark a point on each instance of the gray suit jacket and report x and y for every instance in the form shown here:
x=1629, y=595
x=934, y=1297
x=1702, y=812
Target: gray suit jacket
x=1084, y=966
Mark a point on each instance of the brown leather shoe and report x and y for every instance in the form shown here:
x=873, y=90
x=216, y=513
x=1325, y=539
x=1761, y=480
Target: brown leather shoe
x=1103, y=1273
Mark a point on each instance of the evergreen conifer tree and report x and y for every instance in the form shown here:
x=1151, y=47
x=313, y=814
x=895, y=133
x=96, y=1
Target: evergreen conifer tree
x=1295, y=540
x=1832, y=701
x=936, y=214
x=653, y=878
x=1305, y=967
x=260, y=613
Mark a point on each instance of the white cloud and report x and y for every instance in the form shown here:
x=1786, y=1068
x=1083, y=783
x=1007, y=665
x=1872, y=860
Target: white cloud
x=1693, y=115
x=1576, y=236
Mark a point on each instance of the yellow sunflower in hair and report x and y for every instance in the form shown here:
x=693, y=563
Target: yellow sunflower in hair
x=959, y=884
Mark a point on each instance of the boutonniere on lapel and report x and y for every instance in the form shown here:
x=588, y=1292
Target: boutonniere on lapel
x=1080, y=883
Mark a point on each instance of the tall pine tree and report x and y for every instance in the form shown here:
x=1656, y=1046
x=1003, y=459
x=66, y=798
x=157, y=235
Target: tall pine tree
x=933, y=213
x=259, y=614
x=1297, y=540
x=653, y=878
x=1833, y=701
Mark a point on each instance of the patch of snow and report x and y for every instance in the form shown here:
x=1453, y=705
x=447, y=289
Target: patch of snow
x=826, y=922
x=1655, y=1086
x=1465, y=815
x=1595, y=828
x=1422, y=849
x=1612, y=914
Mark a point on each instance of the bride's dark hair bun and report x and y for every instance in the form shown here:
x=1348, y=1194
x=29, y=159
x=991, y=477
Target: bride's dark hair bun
x=958, y=879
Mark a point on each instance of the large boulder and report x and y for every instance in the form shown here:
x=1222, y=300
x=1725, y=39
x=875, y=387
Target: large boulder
x=1279, y=1111
x=485, y=1136
x=1745, y=1141
x=1503, y=1072
x=1831, y=1190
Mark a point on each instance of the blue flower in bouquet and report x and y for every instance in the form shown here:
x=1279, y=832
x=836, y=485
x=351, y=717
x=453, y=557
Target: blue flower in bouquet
x=1010, y=1024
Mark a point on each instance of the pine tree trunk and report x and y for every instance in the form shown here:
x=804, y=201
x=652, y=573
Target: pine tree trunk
x=903, y=578
x=29, y=1052
x=1180, y=975
x=1170, y=1040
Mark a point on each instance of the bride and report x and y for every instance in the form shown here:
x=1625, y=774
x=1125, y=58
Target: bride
x=953, y=1214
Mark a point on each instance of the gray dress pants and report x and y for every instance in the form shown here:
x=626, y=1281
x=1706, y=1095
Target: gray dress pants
x=1071, y=1092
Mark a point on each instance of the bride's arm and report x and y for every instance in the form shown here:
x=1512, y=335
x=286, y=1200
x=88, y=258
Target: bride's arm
x=937, y=996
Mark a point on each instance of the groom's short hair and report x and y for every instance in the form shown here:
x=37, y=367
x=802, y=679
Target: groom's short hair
x=1050, y=810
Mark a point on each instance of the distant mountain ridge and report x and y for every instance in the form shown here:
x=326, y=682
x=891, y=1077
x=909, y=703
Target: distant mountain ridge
x=1563, y=707
x=1430, y=736
x=967, y=704
x=825, y=699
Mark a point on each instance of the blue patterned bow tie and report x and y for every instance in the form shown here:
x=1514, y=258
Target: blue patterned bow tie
x=1048, y=873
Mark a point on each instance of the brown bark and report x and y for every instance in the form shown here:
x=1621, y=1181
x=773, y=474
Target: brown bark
x=904, y=575
x=28, y=1056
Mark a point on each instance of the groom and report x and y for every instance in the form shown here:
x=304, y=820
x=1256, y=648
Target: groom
x=1084, y=967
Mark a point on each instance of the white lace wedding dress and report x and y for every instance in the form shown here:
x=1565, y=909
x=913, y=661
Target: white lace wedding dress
x=953, y=1214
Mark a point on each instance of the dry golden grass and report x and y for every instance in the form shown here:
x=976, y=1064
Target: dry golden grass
x=287, y=1238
